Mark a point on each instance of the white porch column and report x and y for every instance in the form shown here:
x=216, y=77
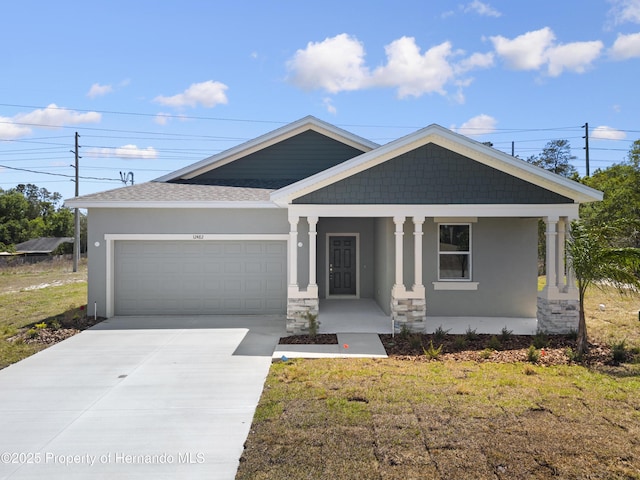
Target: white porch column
x=293, y=254
x=313, y=234
x=560, y=246
x=571, y=278
x=551, y=235
x=418, y=287
x=399, y=287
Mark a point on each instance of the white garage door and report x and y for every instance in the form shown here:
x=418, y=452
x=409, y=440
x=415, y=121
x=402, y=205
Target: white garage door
x=200, y=277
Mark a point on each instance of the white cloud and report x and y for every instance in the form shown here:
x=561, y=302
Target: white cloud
x=537, y=49
x=476, y=60
x=98, y=90
x=413, y=73
x=162, y=118
x=338, y=64
x=626, y=46
x=479, y=125
x=335, y=64
x=132, y=151
x=526, y=51
x=575, y=57
x=126, y=152
x=607, y=133
x=624, y=11
x=10, y=131
x=55, y=117
x=328, y=104
x=481, y=8
x=208, y=94
x=51, y=117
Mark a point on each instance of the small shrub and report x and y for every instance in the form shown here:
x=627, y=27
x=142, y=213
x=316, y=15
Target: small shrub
x=486, y=353
x=432, y=353
x=572, y=355
x=405, y=331
x=505, y=334
x=540, y=340
x=619, y=351
x=56, y=325
x=41, y=326
x=32, y=333
x=494, y=344
x=415, y=340
x=440, y=333
x=471, y=334
x=460, y=343
x=314, y=324
x=533, y=355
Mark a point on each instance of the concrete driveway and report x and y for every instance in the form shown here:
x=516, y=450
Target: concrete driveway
x=152, y=398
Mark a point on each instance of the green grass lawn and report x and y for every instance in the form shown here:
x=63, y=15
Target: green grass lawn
x=34, y=294
x=394, y=419
x=402, y=419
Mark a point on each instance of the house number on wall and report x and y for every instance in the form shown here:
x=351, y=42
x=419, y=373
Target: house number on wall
x=198, y=236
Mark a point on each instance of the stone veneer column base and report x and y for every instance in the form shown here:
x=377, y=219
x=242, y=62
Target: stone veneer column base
x=298, y=311
x=409, y=313
x=558, y=316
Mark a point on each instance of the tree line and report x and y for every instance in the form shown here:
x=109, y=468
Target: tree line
x=28, y=211
x=620, y=184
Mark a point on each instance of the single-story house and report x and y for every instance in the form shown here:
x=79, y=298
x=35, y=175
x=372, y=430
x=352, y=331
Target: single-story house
x=431, y=225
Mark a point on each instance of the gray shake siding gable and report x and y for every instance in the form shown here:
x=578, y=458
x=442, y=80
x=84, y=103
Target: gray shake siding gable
x=432, y=175
x=281, y=164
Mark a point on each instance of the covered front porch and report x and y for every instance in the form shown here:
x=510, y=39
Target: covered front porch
x=398, y=283
x=365, y=316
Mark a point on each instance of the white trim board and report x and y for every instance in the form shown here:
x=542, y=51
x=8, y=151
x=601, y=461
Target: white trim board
x=428, y=211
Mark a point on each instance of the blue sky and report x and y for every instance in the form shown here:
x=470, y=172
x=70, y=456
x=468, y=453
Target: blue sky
x=153, y=86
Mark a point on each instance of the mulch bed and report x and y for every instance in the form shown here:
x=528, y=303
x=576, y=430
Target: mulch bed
x=51, y=335
x=321, y=339
x=555, y=349
x=552, y=349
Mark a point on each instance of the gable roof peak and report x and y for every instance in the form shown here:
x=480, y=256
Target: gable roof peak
x=280, y=134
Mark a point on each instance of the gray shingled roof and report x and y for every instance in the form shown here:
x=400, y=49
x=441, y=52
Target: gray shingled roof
x=42, y=245
x=175, y=192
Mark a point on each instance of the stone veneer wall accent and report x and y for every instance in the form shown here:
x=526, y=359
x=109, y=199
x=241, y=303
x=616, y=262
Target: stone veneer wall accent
x=558, y=316
x=298, y=310
x=410, y=313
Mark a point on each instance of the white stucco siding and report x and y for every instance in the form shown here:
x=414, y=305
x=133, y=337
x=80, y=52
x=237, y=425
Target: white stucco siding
x=504, y=264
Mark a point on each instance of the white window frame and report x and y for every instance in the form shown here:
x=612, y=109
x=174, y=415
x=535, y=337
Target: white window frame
x=456, y=252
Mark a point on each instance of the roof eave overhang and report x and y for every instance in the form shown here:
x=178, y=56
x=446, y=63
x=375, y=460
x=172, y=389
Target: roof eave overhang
x=168, y=205
x=452, y=141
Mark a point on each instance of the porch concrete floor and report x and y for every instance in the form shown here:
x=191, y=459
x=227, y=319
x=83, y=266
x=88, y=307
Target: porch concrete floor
x=361, y=315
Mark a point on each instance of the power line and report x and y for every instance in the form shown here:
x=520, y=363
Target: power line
x=57, y=174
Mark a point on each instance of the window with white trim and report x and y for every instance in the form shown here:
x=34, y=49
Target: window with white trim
x=454, y=252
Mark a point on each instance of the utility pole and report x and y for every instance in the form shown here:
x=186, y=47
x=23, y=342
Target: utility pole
x=513, y=149
x=586, y=145
x=76, y=240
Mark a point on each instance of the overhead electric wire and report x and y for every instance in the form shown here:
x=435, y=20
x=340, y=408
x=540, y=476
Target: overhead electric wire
x=58, y=174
